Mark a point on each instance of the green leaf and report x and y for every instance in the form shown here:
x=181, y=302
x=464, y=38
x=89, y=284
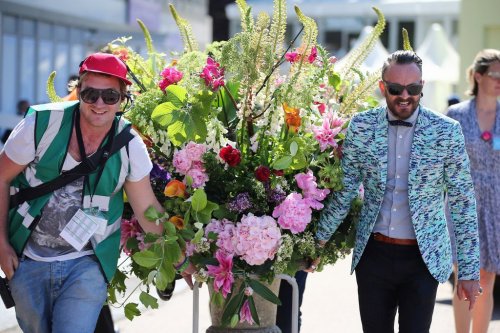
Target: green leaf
x=334, y=80
x=131, y=311
x=169, y=228
x=165, y=114
x=294, y=147
x=253, y=310
x=199, y=200
x=217, y=299
x=232, y=307
x=197, y=237
x=205, y=215
x=176, y=95
x=148, y=300
x=166, y=274
x=151, y=276
x=152, y=214
x=146, y=259
x=172, y=252
x=283, y=163
x=264, y=291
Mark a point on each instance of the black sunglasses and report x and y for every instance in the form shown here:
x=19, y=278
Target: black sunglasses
x=109, y=96
x=396, y=89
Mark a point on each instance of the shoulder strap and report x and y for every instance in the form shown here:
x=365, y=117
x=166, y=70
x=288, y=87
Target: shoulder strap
x=87, y=166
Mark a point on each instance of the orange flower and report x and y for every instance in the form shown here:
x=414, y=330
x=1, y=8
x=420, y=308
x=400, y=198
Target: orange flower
x=175, y=188
x=177, y=221
x=292, y=117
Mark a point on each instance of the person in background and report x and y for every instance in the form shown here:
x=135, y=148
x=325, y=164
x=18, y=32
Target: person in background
x=58, y=276
x=480, y=121
x=22, y=106
x=406, y=156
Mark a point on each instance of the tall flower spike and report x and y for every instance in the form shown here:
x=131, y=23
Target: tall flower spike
x=359, y=54
x=185, y=30
x=310, y=31
x=246, y=15
x=278, y=26
x=147, y=37
x=51, y=91
x=406, y=41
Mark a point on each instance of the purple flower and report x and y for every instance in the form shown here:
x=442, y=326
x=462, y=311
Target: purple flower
x=159, y=173
x=240, y=204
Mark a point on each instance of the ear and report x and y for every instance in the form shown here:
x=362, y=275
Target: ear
x=381, y=86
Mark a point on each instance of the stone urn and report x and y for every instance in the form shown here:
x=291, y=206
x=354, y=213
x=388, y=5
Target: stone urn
x=265, y=309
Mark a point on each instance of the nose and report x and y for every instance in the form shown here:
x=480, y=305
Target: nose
x=405, y=93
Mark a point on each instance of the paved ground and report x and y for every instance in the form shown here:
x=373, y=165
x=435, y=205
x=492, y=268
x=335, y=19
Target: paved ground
x=330, y=305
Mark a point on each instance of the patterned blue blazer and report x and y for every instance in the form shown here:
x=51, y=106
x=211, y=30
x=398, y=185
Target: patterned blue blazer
x=438, y=163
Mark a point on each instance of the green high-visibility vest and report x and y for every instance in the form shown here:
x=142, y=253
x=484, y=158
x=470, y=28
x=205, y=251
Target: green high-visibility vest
x=53, y=128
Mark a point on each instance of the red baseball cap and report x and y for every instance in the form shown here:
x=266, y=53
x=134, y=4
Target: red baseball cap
x=107, y=64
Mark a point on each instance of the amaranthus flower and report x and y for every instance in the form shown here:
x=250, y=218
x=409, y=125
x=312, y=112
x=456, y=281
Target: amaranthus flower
x=245, y=313
x=130, y=229
x=223, y=273
x=175, y=188
x=213, y=74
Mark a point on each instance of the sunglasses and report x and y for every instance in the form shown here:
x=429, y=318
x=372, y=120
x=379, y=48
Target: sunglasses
x=396, y=89
x=494, y=75
x=109, y=96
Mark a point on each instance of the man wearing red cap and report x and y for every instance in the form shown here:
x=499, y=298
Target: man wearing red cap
x=59, y=250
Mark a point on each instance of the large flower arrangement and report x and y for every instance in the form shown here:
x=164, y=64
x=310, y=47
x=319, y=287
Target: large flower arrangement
x=246, y=137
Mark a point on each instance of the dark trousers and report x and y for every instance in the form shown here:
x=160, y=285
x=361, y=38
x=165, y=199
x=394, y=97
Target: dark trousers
x=105, y=321
x=394, y=277
x=284, y=313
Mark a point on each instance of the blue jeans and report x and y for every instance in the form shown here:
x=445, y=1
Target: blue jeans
x=60, y=296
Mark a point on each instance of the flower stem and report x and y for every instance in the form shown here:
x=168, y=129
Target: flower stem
x=279, y=62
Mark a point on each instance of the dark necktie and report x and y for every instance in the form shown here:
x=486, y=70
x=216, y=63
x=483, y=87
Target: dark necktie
x=399, y=122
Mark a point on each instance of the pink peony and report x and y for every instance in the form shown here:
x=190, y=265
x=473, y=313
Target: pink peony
x=294, y=213
x=195, y=151
x=181, y=161
x=198, y=176
x=222, y=274
x=245, y=313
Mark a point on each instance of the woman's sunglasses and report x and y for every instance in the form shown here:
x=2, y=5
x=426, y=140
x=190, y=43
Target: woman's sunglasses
x=109, y=96
x=396, y=89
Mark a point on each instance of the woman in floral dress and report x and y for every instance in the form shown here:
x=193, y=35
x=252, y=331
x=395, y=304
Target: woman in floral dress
x=480, y=121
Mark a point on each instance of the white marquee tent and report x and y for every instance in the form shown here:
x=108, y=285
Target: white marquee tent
x=440, y=68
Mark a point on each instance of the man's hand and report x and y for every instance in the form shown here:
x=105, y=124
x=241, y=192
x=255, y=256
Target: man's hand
x=468, y=290
x=8, y=260
x=314, y=264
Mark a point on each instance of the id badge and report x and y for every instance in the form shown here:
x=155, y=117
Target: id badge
x=79, y=230
x=496, y=142
x=95, y=214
